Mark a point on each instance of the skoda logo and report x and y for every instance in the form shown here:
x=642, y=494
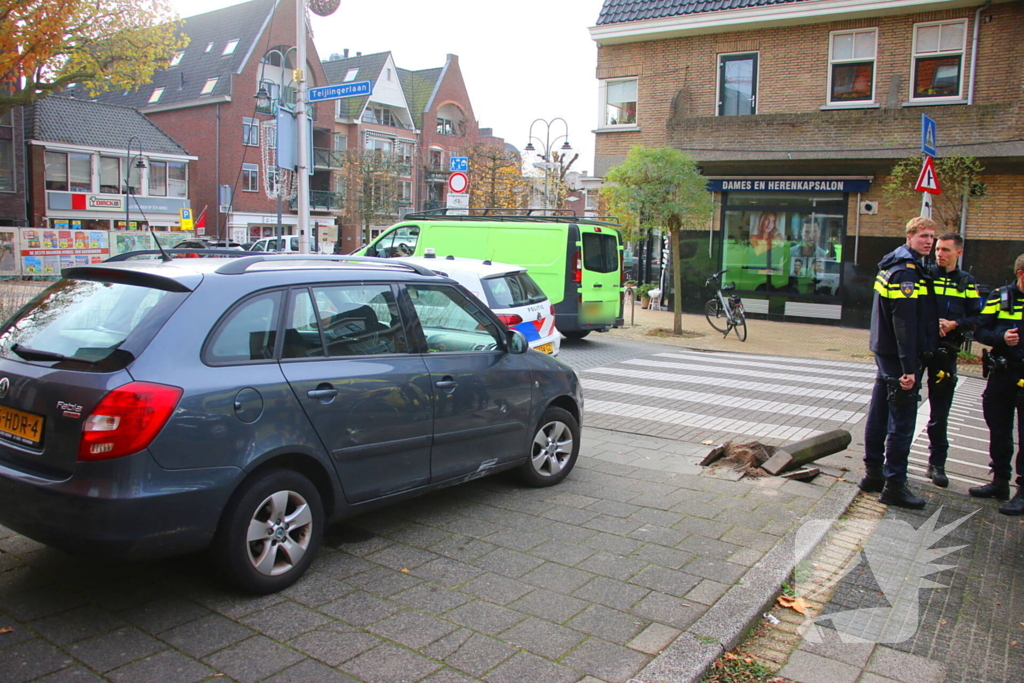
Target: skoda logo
x=5, y=386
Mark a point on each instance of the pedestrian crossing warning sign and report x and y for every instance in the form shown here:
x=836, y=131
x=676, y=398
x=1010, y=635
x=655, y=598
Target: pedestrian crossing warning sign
x=928, y=181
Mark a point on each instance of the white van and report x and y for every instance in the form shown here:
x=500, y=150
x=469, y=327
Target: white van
x=291, y=245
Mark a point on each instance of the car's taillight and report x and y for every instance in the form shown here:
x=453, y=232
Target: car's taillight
x=577, y=268
x=127, y=420
x=509, y=320
x=552, y=310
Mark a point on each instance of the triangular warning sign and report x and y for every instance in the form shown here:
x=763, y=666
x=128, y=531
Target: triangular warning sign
x=928, y=181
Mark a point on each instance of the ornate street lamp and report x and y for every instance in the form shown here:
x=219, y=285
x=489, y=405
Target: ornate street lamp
x=141, y=165
x=548, y=145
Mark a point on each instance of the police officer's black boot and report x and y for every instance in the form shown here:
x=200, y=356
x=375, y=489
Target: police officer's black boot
x=900, y=495
x=997, y=488
x=937, y=474
x=873, y=481
x=1016, y=505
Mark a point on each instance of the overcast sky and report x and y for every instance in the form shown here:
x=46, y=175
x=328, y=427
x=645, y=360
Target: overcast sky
x=521, y=60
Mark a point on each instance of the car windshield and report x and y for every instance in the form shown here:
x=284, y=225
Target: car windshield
x=511, y=290
x=87, y=321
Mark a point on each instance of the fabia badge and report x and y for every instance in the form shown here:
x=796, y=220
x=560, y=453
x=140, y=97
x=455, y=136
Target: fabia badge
x=5, y=386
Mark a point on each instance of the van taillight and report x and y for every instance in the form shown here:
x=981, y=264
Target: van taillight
x=509, y=320
x=127, y=420
x=577, y=267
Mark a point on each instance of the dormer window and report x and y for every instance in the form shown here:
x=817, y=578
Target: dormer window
x=230, y=47
x=176, y=59
x=209, y=46
x=350, y=76
x=155, y=97
x=209, y=86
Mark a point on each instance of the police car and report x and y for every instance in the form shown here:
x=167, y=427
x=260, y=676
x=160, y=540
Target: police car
x=508, y=290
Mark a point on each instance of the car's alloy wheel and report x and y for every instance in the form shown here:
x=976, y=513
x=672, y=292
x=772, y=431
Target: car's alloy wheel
x=270, y=531
x=555, y=447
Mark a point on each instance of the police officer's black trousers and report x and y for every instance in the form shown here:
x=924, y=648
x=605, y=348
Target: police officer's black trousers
x=1000, y=405
x=940, y=399
x=890, y=425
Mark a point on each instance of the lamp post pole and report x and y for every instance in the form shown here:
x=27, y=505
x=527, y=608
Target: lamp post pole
x=128, y=174
x=302, y=170
x=264, y=101
x=548, y=144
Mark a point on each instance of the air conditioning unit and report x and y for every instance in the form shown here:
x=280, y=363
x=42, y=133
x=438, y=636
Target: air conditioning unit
x=868, y=208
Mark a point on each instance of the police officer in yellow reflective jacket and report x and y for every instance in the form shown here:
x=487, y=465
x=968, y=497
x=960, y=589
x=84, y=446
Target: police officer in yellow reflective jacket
x=904, y=327
x=1004, y=393
x=959, y=304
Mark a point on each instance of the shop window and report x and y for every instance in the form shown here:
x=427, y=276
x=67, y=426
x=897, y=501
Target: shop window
x=250, y=178
x=852, y=66
x=177, y=179
x=251, y=132
x=110, y=175
x=619, y=102
x=788, y=243
x=56, y=171
x=737, y=84
x=158, y=178
x=938, y=59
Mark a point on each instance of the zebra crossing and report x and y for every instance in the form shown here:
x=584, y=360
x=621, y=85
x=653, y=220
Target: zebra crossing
x=699, y=396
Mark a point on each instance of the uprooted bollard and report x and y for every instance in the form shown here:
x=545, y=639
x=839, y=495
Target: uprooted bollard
x=800, y=453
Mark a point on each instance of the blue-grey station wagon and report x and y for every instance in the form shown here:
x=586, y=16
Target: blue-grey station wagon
x=150, y=408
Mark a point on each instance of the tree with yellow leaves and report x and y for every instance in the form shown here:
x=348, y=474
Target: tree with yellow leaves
x=495, y=178
x=101, y=45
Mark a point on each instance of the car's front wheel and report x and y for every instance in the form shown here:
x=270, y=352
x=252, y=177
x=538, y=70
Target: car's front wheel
x=555, y=447
x=269, y=532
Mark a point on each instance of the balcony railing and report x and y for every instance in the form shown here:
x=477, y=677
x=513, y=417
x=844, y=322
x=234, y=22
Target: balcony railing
x=435, y=175
x=321, y=200
x=328, y=158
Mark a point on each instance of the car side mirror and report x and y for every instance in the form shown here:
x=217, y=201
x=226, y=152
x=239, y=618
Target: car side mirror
x=517, y=342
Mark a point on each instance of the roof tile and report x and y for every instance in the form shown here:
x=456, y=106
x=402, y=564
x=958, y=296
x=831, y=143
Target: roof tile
x=618, y=11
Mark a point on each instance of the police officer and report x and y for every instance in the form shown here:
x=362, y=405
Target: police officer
x=1004, y=368
x=904, y=325
x=959, y=304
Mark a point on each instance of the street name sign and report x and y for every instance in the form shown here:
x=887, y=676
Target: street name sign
x=337, y=92
x=929, y=135
x=928, y=181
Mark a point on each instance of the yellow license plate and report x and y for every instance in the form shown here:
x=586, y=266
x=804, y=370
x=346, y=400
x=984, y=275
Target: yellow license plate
x=23, y=428
x=546, y=348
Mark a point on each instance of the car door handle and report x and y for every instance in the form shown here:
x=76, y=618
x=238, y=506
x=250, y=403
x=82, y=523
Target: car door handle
x=446, y=384
x=598, y=285
x=322, y=393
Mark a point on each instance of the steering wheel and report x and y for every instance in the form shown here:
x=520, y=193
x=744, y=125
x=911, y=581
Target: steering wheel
x=404, y=249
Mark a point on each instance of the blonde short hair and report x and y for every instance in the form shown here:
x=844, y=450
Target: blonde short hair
x=916, y=225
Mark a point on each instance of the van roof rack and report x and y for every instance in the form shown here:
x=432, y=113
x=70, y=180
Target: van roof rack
x=510, y=215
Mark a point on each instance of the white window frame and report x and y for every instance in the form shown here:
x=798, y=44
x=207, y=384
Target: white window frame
x=603, y=120
x=250, y=132
x=208, y=87
x=914, y=56
x=209, y=46
x=230, y=47
x=854, y=60
x=350, y=75
x=155, y=96
x=250, y=172
x=176, y=59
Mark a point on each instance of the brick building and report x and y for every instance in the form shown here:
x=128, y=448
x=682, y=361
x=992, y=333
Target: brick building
x=206, y=100
x=797, y=111
x=420, y=118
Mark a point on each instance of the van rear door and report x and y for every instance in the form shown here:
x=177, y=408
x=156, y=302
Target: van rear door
x=601, y=280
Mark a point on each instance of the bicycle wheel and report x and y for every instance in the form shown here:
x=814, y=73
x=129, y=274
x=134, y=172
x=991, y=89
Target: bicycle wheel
x=740, y=324
x=716, y=316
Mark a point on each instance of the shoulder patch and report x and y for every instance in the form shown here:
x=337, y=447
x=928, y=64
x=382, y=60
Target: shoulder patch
x=907, y=289
x=911, y=265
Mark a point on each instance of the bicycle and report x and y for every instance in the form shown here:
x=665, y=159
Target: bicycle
x=725, y=314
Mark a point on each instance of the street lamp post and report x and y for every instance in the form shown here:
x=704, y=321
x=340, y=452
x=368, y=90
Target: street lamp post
x=548, y=144
x=128, y=174
x=265, y=101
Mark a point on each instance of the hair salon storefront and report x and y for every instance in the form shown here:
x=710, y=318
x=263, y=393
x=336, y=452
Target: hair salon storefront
x=786, y=244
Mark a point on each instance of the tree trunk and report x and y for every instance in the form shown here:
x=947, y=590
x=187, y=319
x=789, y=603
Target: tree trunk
x=677, y=284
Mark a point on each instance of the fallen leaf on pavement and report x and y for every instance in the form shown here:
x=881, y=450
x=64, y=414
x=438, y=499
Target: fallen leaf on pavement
x=405, y=571
x=6, y=629
x=796, y=604
x=708, y=443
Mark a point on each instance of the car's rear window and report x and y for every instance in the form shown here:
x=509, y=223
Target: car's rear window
x=511, y=290
x=88, y=321
x=600, y=253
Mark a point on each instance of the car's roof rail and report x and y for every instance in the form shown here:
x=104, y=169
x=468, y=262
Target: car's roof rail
x=128, y=255
x=239, y=265
x=512, y=215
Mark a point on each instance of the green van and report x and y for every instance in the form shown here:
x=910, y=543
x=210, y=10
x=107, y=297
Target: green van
x=576, y=261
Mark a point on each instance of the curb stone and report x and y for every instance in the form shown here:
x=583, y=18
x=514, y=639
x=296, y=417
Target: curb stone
x=723, y=626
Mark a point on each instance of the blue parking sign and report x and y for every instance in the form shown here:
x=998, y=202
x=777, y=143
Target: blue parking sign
x=458, y=164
